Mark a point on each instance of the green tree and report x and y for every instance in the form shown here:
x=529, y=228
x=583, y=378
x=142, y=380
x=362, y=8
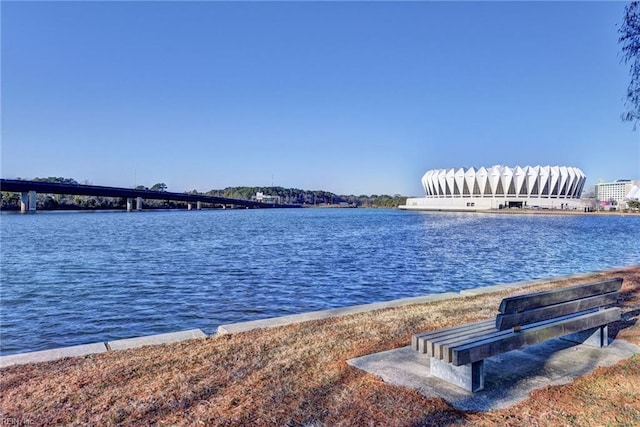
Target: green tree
x=9, y=200
x=161, y=186
x=630, y=40
x=58, y=180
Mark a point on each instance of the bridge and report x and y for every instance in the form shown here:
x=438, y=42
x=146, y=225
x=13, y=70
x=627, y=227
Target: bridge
x=28, y=190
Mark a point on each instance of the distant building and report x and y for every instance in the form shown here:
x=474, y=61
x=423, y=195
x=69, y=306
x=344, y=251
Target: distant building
x=264, y=198
x=617, y=193
x=496, y=187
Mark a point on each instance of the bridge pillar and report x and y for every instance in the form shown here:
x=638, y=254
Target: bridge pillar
x=32, y=201
x=189, y=206
x=139, y=204
x=129, y=204
x=24, y=202
x=199, y=206
x=28, y=201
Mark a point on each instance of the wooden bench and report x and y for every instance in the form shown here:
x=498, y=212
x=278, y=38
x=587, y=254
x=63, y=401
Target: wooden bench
x=578, y=313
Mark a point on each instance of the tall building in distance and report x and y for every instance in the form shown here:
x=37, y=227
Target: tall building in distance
x=617, y=193
x=497, y=187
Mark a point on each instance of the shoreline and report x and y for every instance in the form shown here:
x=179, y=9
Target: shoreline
x=298, y=374
x=506, y=211
x=527, y=212
x=86, y=349
x=562, y=212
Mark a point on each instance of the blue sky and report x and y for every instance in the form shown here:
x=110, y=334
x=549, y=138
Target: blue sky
x=348, y=97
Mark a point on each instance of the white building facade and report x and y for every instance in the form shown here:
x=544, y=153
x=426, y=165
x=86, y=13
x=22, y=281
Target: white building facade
x=617, y=193
x=265, y=198
x=497, y=187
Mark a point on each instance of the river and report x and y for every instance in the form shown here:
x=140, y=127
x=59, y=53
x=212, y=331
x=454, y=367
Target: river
x=72, y=278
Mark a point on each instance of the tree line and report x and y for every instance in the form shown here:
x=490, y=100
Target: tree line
x=11, y=201
x=296, y=196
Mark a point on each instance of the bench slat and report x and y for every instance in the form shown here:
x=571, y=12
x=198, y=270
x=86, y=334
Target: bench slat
x=507, y=321
x=442, y=347
x=541, y=299
x=475, y=351
x=434, y=345
x=497, y=334
x=417, y=340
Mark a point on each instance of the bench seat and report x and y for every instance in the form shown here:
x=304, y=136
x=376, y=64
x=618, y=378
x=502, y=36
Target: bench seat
x=578, y=313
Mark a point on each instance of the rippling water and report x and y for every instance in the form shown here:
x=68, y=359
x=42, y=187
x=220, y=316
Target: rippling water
x=71, y=278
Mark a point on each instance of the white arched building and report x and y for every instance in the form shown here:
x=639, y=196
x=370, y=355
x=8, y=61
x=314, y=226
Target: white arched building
x=554, y=187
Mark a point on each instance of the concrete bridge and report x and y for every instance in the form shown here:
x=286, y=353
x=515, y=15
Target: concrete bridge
x=28, y=190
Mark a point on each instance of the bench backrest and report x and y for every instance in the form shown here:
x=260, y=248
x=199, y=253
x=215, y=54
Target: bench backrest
x=536, y=307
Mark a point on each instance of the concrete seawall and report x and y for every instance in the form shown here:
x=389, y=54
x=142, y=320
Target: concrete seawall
x=166, y=338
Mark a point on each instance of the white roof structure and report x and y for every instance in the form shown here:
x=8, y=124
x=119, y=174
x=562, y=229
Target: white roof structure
x=558, y=182
x=634, y=193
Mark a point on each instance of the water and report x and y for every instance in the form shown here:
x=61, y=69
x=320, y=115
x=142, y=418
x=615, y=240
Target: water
x=73, y=278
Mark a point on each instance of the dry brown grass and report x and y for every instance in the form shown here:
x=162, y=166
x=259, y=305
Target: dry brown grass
x=297, y=375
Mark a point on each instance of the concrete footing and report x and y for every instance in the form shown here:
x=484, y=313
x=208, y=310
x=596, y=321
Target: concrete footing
x=86, y=349
x=54, y=354
x=156, y=339
x=235, y=328
x=509, y=377
x=469, y=377
x=490, y=289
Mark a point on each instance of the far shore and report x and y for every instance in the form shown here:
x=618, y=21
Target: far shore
x=562, y=212
x=516, y=211
x=513, y=211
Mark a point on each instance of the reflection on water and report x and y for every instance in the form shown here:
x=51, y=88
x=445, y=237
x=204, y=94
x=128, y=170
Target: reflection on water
x=72, y=278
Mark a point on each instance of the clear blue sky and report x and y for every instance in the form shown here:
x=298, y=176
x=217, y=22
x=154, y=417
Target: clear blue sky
x=353, y=98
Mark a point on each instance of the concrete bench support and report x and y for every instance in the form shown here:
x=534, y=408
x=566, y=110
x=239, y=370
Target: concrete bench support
x=469, y=377
x=596, y=337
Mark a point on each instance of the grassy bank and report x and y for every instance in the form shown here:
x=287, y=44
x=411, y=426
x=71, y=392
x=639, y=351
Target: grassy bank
x=298, y=375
